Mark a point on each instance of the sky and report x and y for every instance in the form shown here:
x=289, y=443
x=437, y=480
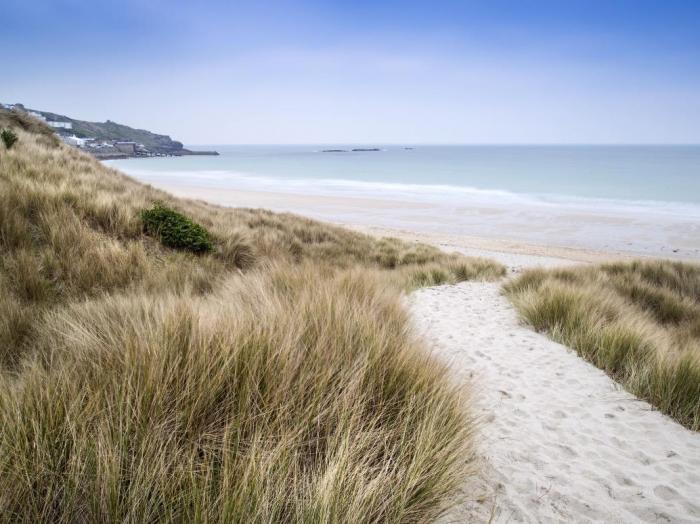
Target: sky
x=364, y=72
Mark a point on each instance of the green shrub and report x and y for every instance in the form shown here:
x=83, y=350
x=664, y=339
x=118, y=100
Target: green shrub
x=175, y=230
x=8, y=137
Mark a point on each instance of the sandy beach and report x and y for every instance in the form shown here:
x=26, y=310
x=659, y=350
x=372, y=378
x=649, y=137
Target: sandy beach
x=583, y=234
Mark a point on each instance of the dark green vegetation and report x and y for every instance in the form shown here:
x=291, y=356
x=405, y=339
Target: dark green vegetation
x=8, y=138
x=175, y=230
x=274, y=378
x=638, y=321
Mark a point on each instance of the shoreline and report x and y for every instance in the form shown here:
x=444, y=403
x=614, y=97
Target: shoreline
x=482, y=231
x=505, y=251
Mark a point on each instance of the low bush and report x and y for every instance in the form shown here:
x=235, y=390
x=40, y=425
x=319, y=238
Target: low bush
x=8, y=137
x=176, y=230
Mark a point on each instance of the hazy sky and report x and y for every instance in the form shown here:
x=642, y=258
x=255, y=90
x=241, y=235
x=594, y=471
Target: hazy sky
x=213, y=72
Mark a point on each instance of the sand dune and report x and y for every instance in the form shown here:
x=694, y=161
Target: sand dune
x=561, y=442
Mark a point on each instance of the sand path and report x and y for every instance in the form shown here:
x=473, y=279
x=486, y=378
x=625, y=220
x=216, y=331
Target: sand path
x=560, y=441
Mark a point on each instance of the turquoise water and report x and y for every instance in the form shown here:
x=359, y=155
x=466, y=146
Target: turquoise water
x=663, y=174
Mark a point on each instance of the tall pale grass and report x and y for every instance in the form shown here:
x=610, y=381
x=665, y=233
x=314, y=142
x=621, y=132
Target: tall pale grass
x=274, y=380
x=638, y=321
x=70, y=229
x=282, y=397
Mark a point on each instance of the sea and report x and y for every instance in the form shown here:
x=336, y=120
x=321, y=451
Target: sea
x=653, y=174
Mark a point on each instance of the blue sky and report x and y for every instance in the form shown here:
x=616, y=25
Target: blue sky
x=208, y=72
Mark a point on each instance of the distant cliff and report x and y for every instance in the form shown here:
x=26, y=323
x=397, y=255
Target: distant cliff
x=108, y=134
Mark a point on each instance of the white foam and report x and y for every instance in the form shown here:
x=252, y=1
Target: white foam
x=440, y=194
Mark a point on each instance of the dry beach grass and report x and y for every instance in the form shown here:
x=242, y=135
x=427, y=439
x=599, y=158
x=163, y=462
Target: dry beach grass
x=274, y=379
x=69, y=228
x=639, y=321
x=271, y=400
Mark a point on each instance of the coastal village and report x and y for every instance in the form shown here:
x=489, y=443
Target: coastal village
x=108, y=140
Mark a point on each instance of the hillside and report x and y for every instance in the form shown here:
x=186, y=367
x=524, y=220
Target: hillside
x=275, y=377
x=113, y=132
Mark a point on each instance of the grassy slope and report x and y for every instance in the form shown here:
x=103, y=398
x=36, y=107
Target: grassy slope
x=69, y=229
x=112, y=131
x=638, y=321
x=274, y=379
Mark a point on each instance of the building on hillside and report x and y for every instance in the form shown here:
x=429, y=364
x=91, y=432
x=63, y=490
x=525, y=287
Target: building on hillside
x=74, y=141
x=38, y=116
x=128, y=148
x=60, y=125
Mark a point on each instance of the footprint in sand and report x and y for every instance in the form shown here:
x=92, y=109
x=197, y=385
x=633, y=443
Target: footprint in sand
x=665, y=493
x=569, y=452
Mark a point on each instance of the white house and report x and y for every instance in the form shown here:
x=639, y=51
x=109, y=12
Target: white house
x=60, y=125
x=37, y=115
x=74, y=141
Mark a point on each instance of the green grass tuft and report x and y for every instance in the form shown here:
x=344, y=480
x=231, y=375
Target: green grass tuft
x=8, y=138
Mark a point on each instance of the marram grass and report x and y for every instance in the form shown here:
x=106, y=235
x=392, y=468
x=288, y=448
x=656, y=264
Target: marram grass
x=70, y=229
x=638, y=321
x=282, y=397
x=274, y=379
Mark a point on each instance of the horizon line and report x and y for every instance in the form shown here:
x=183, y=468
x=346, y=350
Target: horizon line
x=463, y=144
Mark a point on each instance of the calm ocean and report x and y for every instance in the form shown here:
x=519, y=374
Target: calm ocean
x=651, y=176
